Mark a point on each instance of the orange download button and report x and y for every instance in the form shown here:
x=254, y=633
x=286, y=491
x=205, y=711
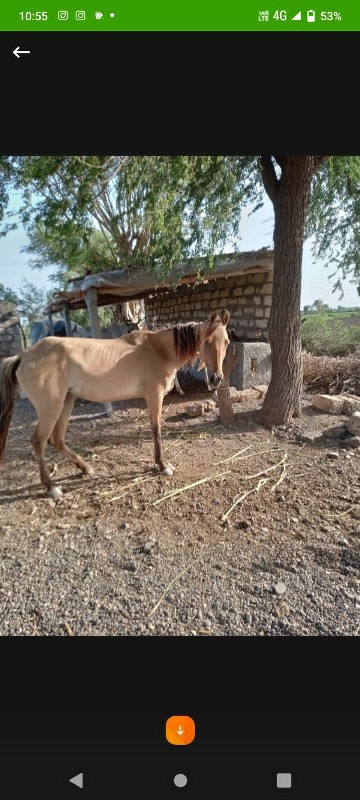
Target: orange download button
x=180, y=730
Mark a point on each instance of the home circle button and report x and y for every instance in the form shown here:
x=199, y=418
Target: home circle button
x=180, y=780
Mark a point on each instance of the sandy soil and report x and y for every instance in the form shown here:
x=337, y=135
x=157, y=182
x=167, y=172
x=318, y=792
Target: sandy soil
x=110, y=560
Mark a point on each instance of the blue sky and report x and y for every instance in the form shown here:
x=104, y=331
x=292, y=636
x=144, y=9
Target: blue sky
x=256, y=232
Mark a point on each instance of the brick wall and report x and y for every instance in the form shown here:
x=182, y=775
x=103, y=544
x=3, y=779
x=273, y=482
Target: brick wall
x=10, y=339
x=247, y=297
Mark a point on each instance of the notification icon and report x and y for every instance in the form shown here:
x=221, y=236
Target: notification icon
x=180, y=730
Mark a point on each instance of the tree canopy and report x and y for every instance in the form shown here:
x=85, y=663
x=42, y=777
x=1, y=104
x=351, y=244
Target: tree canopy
x=92, y=213
x=334, y=218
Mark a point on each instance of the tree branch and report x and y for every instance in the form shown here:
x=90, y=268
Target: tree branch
x=271, y=182
x=318, y=161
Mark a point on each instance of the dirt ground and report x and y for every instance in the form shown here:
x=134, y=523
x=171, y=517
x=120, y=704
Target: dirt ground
x=109, y=559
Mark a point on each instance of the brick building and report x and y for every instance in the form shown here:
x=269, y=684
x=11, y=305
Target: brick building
x=243, y=286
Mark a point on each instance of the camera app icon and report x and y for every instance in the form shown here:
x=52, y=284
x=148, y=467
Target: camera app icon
x=63, y=15
x=80, y=15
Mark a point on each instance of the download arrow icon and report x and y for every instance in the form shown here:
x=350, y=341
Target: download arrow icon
x=17, y=52
x=180, y=730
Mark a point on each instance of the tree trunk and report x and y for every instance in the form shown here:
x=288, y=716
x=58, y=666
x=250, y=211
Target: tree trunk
x=289, y=195
x=224, y=400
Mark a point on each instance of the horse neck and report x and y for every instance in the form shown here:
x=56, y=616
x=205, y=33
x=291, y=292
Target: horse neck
x=166, y=341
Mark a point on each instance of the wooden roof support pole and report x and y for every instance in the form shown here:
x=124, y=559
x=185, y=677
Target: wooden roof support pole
x=91, y=303
x=51, y=324
x=223, y=392
x=67, y=319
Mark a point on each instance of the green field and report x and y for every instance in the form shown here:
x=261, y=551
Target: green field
x=333, y=333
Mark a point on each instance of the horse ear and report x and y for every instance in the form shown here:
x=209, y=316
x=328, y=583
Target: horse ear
x=224, y=316
x=212, y=323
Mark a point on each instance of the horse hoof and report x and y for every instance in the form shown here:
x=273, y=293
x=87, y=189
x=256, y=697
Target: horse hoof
x=55, y=492
x=89, y=471
x=168, y=471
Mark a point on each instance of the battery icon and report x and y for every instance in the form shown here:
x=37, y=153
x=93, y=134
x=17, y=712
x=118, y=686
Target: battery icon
x=310, y=16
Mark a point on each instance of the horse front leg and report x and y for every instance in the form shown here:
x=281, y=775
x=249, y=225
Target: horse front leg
x=154, y=404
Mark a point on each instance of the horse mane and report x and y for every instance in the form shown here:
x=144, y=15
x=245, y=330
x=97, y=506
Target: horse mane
x=186, y=340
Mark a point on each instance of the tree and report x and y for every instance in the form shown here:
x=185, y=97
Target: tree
x=157, y=210
x=334, y=218
x=8, y=295
x=31, y=302
x=287, y=180
x=92, y=213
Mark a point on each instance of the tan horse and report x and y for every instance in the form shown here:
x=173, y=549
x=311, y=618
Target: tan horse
x=142, y=364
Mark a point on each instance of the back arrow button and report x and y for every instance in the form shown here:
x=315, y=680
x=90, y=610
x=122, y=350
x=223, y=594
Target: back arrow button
x=17, y=52
x=78, y=780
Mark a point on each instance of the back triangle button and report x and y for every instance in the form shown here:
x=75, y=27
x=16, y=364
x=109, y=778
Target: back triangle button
x=78, y=780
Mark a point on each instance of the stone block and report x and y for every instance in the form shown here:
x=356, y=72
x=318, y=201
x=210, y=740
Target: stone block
x=253, y=365
x=194, y=409
x=266, y=288
x=331, y=404
x=353, y=423
x=351, y=404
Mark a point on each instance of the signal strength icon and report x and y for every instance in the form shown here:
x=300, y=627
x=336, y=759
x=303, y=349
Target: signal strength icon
x=297, y=17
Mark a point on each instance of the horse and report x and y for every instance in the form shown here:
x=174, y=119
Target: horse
x=142, y=364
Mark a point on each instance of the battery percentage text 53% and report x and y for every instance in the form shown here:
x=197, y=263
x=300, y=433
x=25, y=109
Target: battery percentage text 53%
x=329, y=16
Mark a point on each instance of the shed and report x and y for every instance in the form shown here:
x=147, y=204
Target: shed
x=240, y=282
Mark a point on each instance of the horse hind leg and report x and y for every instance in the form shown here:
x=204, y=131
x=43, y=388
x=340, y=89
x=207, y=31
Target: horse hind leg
x=57, y=438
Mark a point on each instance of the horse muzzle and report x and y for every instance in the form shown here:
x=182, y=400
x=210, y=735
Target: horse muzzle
x=215, y=379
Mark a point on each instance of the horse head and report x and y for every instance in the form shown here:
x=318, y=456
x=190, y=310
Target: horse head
x=213, y=343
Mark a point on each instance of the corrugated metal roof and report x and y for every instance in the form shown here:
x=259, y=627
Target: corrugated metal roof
x=129, y=284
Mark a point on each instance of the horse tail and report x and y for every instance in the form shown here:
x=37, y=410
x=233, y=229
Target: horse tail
x=8, y=392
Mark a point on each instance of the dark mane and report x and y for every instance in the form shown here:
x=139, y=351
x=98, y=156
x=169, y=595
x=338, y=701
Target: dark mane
x=185, y=340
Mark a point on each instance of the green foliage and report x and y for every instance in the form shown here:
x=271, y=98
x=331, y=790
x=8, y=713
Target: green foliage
x=31, y=302
x=5, y=172
x=334, y=217
x=328, y=334
x=106, y=316
x=8, y=295
x=94, y=214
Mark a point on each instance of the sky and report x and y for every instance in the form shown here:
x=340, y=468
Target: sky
x=256, y=232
